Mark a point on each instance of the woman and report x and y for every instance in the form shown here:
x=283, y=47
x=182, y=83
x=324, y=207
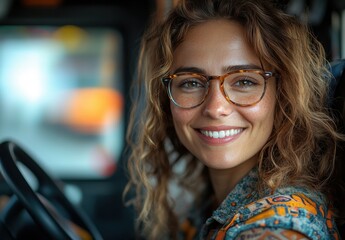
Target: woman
x=236, y=92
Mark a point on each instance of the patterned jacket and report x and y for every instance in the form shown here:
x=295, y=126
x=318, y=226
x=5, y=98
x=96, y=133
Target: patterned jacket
x=289, y=208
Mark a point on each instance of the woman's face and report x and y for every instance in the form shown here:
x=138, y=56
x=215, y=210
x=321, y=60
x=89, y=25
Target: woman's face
x=212, y=48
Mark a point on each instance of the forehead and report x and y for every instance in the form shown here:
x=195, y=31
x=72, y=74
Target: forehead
x=214, y=46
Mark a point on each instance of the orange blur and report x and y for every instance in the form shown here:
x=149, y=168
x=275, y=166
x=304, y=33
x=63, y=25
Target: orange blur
x=89, y=110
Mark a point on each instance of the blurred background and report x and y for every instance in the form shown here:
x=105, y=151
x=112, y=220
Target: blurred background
x=66, y=67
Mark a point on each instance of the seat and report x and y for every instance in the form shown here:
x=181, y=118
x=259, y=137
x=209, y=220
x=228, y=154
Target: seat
x=337, y=105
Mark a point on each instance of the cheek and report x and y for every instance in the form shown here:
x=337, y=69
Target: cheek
x=180, y=117
x=262, y=114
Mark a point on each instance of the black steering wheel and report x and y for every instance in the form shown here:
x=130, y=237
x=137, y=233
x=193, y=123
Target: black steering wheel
x=48, y=206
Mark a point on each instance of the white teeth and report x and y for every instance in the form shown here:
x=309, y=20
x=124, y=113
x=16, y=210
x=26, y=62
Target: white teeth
x=221, y=134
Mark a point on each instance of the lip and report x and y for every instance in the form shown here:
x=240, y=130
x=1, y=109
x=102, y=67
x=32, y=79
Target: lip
x=219, y=135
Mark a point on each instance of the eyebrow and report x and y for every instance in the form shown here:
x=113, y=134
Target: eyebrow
x=226, y=69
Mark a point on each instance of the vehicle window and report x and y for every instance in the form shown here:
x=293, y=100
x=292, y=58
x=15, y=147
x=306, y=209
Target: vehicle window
x=61, y=96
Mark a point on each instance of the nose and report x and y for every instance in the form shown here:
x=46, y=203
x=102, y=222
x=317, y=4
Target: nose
x=215, y=104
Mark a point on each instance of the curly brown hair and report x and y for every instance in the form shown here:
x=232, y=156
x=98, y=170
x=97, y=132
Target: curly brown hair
x=301, y=149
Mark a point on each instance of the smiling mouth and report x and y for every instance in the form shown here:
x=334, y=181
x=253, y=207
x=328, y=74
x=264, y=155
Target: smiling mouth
x=222, y=133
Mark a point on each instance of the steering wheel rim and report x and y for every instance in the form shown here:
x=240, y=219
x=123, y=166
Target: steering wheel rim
x=54, y=225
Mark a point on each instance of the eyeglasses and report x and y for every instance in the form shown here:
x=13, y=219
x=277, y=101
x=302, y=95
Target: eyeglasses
x=244, y=87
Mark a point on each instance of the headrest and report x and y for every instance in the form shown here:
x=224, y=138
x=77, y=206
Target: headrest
x=337, y=89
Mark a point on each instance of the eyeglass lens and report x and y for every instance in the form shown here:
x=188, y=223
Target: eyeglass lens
x=188, y=90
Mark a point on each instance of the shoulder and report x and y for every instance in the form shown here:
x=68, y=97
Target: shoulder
x=285, y=212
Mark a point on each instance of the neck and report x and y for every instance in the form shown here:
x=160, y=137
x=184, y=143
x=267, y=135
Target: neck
x=224, y=180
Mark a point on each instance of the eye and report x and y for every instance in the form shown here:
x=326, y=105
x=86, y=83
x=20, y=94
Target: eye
x=191, y=83
x=245, y=82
